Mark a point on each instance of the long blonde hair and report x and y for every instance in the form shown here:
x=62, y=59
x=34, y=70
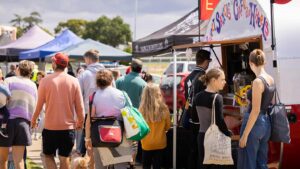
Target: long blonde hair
x=153, y=107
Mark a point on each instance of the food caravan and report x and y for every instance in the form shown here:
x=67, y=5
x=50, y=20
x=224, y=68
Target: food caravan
x=239, y=26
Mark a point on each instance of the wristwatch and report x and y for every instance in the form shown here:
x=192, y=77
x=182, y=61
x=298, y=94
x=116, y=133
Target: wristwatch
x=87, y=139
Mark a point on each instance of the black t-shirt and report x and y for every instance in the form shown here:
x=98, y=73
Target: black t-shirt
x=197, y=85
x=203, y=102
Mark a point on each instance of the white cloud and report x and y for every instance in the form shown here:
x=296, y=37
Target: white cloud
x=152, y=14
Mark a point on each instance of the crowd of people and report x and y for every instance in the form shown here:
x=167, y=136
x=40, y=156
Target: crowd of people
x=60, y=105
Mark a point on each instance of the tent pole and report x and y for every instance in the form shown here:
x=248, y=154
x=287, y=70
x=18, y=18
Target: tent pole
x=174, y=107
x=199, y=19
x=273, y=38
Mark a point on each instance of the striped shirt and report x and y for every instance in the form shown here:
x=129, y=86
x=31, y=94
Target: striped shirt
x=23, y=98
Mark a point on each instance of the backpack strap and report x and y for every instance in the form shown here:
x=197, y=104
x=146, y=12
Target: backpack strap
x=191, y=93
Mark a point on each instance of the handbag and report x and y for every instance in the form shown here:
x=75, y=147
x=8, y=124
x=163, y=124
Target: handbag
x=105, y=131
x=134, y=123
x=217, y=146
x=280, y=128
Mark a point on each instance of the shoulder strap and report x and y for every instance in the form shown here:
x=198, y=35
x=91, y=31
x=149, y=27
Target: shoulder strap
x=277, y=99
x=263, y=80
x=127, y=100
x=213, y=115
x=91, y=99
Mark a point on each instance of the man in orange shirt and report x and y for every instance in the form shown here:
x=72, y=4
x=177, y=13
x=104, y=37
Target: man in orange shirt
x=62, y=95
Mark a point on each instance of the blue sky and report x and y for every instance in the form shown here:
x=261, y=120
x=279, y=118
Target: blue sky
x=152, y=14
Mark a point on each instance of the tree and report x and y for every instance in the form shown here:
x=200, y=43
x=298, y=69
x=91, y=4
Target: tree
x=105, y=30
x=25, y=23
x=17, y=21
x=128, y=49
x=75, y=25
x=33, y=19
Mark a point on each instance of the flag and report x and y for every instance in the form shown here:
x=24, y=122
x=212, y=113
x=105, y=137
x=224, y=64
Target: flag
x=281, y=1
x=206, y=8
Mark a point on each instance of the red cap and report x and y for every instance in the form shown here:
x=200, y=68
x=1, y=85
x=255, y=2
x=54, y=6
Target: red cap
x=61, y=59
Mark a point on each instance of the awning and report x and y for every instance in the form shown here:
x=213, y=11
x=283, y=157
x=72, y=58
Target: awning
x=33, y=38
x=107, y=52
x=183, y=31
x=66, y=39
x=222, y=42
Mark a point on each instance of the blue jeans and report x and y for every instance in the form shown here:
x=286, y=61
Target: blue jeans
x=255, y=154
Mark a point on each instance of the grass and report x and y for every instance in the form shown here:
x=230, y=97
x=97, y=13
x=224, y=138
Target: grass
x=156, y=67
x=32, y=165
x=151, y=67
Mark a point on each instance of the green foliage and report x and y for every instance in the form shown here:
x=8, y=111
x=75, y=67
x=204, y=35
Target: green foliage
x=31, y=165
x=109, y=31
x=128, y=49
x=75, y=25
x=25, y=23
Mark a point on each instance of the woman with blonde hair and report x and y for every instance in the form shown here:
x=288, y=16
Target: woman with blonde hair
x=214, y=80
x=157, y=115
x=256, y=127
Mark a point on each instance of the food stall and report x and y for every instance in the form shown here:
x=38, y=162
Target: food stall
x=237, y=27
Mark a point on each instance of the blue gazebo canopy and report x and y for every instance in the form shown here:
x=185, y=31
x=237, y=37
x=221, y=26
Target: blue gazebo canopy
x=66, y=39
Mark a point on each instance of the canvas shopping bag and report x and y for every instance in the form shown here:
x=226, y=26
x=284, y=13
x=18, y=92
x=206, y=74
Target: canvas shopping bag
x=217, y=146
x=135, y=119
x=280, y=127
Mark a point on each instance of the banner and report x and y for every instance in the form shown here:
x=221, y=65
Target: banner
x=206, y=8
x=281, y=1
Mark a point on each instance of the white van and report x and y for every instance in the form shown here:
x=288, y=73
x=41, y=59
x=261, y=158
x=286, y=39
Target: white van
x=182, y=67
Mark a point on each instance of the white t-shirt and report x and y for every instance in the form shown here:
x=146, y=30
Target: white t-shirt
x=108, y=102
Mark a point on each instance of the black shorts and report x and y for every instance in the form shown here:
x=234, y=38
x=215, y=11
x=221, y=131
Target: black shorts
x=19, y=133
x=61, y=140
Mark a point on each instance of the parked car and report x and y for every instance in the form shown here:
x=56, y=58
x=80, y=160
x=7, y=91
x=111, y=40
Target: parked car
x=166, y=87
x=182, y=67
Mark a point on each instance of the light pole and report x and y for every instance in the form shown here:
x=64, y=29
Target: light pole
x=135, y=16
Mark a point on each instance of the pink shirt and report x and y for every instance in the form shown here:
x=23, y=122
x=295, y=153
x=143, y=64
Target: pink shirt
x=62, y=95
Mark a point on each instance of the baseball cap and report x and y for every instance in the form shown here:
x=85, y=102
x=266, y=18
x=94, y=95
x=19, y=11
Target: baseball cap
x=204, y=54
x=136, y=63
x=61, y=59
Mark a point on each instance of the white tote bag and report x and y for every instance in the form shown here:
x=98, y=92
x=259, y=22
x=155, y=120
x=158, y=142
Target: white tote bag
x=217, y=146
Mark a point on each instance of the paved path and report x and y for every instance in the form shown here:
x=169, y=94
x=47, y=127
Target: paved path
x=34, y=151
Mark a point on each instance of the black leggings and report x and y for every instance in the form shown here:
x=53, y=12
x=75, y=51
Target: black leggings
x=152, y=157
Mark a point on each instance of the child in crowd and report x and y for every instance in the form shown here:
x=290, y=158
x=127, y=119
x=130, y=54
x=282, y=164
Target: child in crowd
x=4, y=96
x=157, y=115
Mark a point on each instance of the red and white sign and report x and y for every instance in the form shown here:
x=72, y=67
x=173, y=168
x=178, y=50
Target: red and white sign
x=207, y=8
x=281, y=1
